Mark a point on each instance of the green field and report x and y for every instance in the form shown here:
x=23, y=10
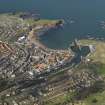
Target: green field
x=99, y=54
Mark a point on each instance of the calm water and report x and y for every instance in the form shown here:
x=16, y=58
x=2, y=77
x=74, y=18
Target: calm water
x=82, y=17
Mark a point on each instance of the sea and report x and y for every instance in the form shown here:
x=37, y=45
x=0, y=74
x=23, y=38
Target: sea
x=83, y=18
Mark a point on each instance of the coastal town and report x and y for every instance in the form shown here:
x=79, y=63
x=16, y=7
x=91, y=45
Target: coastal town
x=22, y=56
x=33, y=74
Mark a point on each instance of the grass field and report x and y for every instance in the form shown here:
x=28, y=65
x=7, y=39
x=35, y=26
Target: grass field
x=99, y=54
x=41, y=21
x=96, y=99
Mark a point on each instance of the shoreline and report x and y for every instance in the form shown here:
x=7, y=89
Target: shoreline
x=36, y=32
x=34, y=39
